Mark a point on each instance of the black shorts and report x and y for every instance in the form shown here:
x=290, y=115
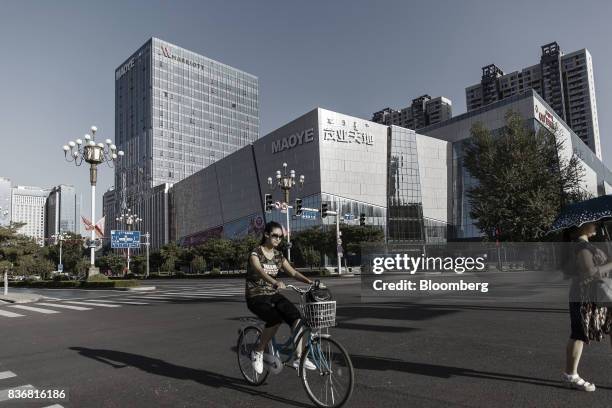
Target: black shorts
x=578, y=332
x=273, y=309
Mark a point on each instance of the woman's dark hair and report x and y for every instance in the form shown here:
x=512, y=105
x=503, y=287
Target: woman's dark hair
x=272, y=225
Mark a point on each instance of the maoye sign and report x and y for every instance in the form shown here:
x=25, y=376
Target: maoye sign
x=296, y=139
x=125, y=68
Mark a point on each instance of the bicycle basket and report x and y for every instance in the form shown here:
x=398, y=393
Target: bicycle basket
x=320, y=314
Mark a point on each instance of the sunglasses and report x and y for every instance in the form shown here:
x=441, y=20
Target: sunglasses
x=276, y=236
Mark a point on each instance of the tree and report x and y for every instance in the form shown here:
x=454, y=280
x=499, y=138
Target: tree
x=218, y=251
x=198, y=264
x=169, y=264
x=115, y=263
x=522, y=181
x=72, y=252
x=311, y=256
x=242, y=249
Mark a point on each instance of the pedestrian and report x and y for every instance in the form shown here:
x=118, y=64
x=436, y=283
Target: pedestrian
x=589, y=321
x=262, y=297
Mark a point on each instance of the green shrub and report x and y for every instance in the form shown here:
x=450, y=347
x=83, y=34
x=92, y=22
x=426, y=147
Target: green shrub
x=97, y=278
x=215, y=271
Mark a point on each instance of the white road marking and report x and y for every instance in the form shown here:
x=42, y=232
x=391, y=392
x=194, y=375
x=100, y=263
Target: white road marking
x=122, y=302
x=7, y=374
x=62, y=306
x=6, y=313
x=54, y=406
x=4, y=394
x=91, y=304
x=35, y=309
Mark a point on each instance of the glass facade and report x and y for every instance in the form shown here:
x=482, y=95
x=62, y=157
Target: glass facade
x=177, y=112
x=404, y=199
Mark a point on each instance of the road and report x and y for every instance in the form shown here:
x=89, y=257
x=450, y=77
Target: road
x=176, y=348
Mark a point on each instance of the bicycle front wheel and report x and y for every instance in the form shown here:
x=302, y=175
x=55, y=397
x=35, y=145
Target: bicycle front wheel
x=331, y=383
x=248, y=340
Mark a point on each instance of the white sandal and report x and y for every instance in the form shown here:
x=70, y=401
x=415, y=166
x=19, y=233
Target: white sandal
x=577, y=383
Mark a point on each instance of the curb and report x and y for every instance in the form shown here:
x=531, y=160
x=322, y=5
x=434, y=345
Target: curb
x=138, y=289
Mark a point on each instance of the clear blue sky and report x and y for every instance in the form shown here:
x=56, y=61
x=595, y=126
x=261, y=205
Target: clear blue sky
x=355, y=57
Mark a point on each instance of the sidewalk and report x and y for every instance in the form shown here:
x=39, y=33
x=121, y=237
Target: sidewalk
x=20, y=298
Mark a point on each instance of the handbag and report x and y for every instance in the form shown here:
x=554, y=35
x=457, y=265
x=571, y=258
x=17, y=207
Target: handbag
x=601, y=291
x=318, y=294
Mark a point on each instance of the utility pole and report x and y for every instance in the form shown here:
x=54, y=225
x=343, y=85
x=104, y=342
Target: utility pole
x=324, y=213
x=147, y=235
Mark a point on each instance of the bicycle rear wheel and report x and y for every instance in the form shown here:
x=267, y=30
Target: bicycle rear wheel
x=331, y=384
x=247, y=341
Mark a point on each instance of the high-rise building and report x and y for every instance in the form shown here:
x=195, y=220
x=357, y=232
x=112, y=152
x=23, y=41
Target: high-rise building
x=62, y=211
x=28, y=207
x=5, y=201
x=565, y=81
x=176, y=112
x=423, y=111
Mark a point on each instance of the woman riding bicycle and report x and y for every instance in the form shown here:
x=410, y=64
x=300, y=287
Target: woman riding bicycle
x=262, y=295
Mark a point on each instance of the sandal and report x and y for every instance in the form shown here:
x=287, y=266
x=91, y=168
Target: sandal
x=577, y=383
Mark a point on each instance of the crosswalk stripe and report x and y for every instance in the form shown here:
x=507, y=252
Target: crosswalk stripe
x=35, y=309
x=201, y=291
x=122, y=302
x=209, y=296
x=91, y=304
x=6, y=313
x=147, y=298
x=4, y=394
x=7, y=374
x=61, y=306
x=54, y=406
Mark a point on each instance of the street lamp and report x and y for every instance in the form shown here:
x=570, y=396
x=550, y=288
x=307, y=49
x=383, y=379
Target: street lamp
x=286, y=181
x=129, y=219
x=59, y=238
x=4, y=212
x=93, y=153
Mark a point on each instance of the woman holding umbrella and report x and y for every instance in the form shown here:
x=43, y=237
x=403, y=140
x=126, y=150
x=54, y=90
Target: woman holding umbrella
x=589, y=321
x=586, y=266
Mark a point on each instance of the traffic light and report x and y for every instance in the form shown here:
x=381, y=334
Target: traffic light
x=268, y=202
x=323, y=210
x=298, y=206
x=362, y=219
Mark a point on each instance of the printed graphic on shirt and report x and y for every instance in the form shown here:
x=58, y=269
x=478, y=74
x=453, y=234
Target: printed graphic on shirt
x=255, y=285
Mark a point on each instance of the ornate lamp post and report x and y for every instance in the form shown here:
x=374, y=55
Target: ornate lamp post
x=286, y=182
x=93, y=153
x=59, y=238
x=4, y=212
x=129, y=219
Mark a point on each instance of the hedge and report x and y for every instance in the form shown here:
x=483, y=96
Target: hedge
x=109, y=284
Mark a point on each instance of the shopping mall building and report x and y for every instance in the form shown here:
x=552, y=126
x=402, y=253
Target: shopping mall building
x=413, y=185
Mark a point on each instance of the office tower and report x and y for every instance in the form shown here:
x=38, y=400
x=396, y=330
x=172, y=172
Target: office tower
x=423, y=111
x=28, y=207
x=176, y=112
x=62, y=211
x=565, y=81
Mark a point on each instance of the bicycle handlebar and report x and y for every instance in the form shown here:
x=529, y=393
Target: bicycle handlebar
x=298, y=290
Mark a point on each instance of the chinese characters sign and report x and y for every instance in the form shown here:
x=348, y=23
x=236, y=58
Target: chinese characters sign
x=348, y=133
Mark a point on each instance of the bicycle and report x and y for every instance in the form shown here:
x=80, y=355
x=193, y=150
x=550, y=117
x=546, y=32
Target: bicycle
x=334, y=371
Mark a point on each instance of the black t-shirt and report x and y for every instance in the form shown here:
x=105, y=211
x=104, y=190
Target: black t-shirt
x=255, y=284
